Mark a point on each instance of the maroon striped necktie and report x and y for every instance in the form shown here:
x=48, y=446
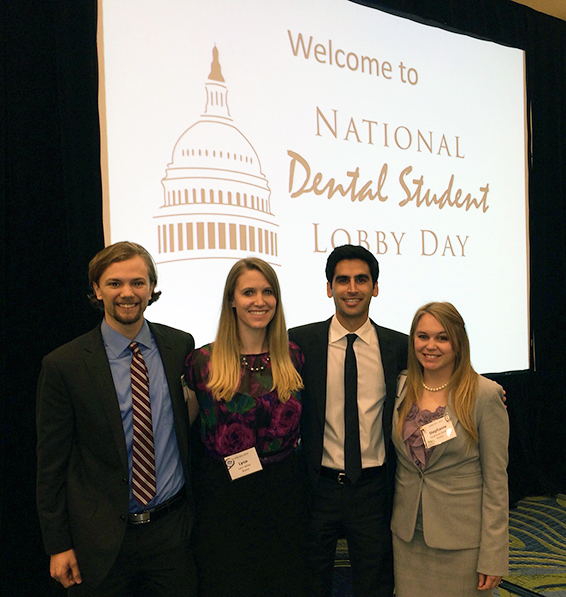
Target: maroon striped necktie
x=143, y=456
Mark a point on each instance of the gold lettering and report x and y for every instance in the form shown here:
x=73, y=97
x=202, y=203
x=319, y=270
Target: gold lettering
x=352, y=60
x=448, y=246
x=316, y=249
x=363, y=239
x=370, y=122
x=445, y=199
x=458, y=148
x=483, y=201
x=399, y=128
x=370, y=61
x=295, y=49
x=427, y=145
x=342, y=235
x=381, y=241
x=398, y=242
x=443, y=145
x=349, y=240
x=354, y=68
x=424, y=253
x=296, y=157
x=321, y=115
x=332, y=187
x=462, y=244
x=409, y=197
x=320, y=50
x=352, y=128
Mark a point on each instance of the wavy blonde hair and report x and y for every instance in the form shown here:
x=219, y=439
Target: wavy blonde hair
x=225, y=370
x=464, y=381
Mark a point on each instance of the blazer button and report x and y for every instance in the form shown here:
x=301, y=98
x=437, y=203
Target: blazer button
x=124, y=480
x=122, y=517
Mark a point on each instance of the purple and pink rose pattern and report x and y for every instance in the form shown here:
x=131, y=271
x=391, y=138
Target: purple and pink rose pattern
x=254, y=417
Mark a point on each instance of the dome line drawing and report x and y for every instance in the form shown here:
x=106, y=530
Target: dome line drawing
x=216, y=199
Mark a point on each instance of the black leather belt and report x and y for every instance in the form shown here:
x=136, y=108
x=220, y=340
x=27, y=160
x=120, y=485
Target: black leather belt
x=159, y=511
x=340, y=476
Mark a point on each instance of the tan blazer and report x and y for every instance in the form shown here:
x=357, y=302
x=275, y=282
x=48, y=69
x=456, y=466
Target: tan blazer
x=463, y=487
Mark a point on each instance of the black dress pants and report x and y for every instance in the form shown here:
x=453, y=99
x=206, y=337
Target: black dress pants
x=360, y=513
x=154, y=561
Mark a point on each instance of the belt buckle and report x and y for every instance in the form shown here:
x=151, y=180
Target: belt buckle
x=343, y=479
x=140, y=518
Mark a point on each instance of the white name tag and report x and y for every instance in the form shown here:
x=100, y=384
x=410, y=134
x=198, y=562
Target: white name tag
x=243, y=463
x=438, y=432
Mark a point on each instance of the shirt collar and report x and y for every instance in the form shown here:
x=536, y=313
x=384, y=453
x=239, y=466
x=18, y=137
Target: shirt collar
x=338, y=331
x=117, y=343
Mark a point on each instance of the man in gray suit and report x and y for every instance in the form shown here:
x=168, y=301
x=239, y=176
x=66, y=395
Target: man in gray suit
x=359, y=507
x=112, y=524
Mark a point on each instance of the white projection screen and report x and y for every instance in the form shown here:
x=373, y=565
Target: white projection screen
x=282, y=129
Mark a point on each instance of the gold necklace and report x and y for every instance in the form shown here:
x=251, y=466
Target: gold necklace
x=434, y=389
x=248, y=366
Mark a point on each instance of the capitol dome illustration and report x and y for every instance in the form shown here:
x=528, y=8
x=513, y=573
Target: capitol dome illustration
x=216, y=201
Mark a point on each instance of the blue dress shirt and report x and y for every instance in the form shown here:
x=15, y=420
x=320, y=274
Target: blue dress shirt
x=168, y=466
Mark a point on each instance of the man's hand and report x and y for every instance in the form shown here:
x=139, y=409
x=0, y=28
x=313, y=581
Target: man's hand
x=64, y=568
x=487, y=582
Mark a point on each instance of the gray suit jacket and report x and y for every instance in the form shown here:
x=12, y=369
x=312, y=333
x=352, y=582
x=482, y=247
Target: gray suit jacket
x=82, y=476
x=463, y=487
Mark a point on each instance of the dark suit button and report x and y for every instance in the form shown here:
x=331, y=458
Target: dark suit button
x=122, y=517
x=124, y=480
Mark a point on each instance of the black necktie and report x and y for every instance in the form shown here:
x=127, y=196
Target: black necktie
x=352, y=451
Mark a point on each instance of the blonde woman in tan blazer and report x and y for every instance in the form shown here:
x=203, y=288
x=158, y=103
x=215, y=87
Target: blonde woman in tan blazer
x=450, y=513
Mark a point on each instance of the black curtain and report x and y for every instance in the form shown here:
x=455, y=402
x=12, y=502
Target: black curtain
x=51, y=225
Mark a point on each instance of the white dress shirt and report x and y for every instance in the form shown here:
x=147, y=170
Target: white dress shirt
x=371, y=396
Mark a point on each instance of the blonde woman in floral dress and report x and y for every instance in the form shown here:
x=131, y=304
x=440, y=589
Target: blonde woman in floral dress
x=250, y=528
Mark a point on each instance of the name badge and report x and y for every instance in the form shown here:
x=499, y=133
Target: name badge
x=243, y=463
x=438, y=432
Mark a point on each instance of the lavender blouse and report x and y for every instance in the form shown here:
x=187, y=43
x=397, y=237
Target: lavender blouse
x=412, y=434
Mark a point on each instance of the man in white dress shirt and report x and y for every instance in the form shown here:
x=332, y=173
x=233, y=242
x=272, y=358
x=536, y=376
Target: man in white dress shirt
x=350, y=495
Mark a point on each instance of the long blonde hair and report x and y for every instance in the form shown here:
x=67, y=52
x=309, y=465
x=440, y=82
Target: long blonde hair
x=225, y=373
x=464, y=381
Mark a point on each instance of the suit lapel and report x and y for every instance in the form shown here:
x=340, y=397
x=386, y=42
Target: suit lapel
x=165, y=351
x=400, y=445
x=96, y=363
x=320, y=370
x=170, y=357
x=390, y=370
x=387, y=361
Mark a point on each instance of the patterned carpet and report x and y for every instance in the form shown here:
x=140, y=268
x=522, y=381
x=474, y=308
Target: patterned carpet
x=537, y=547
x=537, y=550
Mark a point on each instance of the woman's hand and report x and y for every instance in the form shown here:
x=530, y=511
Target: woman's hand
x=487, y=582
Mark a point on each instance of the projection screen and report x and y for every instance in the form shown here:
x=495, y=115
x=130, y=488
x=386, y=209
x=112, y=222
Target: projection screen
x=282, y=129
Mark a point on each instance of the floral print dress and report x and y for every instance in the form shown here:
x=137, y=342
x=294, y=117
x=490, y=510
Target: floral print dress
x=250, y=534
x=254, y=417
